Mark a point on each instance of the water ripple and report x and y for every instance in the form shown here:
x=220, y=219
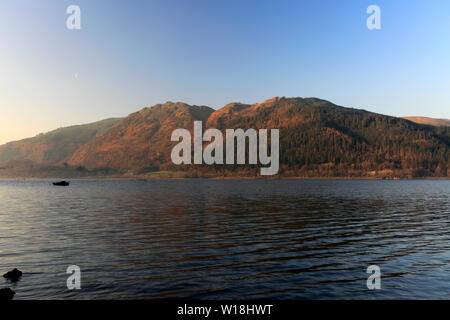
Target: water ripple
x=211, y=239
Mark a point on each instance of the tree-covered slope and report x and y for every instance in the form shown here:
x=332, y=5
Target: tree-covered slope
x=318, y=138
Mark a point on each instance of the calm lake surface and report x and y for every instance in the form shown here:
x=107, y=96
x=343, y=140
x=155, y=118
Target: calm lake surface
x=227, y=239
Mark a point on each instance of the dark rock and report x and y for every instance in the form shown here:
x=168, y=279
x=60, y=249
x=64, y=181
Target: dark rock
x=6, y=294
x=13, y=275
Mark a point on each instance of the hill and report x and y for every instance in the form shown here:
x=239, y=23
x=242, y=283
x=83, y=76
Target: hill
x=141, y=142
x=430, y=121
x=317, y=139
x=55, y=146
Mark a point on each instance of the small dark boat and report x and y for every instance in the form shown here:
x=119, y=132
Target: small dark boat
x=61, y=183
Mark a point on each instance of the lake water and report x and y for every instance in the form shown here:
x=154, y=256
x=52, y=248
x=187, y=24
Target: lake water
x=227, y=239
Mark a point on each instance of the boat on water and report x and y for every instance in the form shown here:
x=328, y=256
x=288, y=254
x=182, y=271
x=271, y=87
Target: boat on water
x=61, y=183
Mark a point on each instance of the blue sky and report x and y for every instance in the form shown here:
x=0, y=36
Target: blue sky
x=132, y=54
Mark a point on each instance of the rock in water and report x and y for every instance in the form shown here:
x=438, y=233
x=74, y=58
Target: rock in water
x=13, y=275
x=6, y=294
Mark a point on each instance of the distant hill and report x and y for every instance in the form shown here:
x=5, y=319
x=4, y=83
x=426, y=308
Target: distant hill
x=55, y=146
x=430, y=121
x=317, y=139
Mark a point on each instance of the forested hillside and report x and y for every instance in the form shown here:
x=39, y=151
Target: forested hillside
x=317, y=139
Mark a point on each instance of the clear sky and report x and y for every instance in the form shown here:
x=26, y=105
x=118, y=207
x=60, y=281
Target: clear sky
x=131, y=54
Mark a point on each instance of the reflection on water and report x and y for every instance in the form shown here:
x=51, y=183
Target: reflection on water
x=211, y=239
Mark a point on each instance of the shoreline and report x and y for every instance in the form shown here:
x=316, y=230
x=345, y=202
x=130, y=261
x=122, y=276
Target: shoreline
x=218, y=178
